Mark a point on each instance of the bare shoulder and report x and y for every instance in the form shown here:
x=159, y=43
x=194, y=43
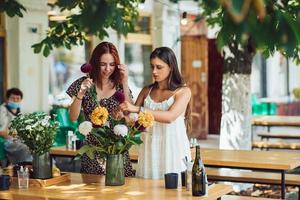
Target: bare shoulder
x=145, y=91
x=184, y=91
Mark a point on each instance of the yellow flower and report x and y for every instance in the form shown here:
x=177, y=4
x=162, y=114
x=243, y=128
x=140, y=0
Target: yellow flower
x=145, y=119
x=99, y=116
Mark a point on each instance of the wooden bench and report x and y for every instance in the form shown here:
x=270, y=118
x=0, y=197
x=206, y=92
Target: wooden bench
x=233, y=175
x=275, y=145
x=234, y=197
x=268, y=135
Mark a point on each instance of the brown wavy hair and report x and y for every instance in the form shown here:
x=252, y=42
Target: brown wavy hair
x=100, y=49
x=175, y=79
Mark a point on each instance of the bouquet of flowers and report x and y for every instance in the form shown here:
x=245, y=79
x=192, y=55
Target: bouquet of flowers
x=37, y=130
x=114, y=135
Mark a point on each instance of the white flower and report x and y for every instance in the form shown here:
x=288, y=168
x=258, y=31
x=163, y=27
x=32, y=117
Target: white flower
x=85, y=127
x=121, y=129
x=47, y=117
x=133, y=116
x=44, y=122
x=28, y=127
x=29, y=121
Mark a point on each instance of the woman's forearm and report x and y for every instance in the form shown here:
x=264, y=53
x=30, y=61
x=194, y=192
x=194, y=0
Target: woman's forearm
x=163, y=116
x=127, y=93
x=76, y=106
x=159, y=116
x=75, y=109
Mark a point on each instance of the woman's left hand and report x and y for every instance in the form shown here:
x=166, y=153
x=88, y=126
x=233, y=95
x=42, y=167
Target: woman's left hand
x=126, y=106
x=117, y=114
x=124, y=73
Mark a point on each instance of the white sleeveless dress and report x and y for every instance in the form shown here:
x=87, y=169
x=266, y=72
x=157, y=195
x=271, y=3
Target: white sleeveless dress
x=164, y=145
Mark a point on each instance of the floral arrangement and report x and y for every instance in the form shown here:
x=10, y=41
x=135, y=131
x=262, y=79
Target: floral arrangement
x=115, y=136
x=37, y=130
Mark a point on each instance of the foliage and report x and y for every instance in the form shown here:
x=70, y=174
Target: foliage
x=278, y=30
x=36, y=130
x=94, y=17
x=114, y=136
x=12, y=8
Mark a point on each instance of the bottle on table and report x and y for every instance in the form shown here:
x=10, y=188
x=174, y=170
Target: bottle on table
x=199, y=178
x=69, y=140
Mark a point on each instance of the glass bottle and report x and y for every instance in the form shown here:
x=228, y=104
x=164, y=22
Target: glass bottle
x=199, y=179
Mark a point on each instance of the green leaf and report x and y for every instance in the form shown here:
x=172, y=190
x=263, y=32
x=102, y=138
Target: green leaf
x=293, y=26
x=90, y=154
x=78, y=157
x=46, y=51
x=12, y=8
x=37, y=47
x=84, y=149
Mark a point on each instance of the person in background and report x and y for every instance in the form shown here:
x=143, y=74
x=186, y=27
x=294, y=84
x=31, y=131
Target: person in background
x=165, y=145
x=15, y=150
x=107, y=76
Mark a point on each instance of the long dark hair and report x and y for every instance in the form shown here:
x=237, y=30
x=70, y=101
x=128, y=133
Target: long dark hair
x=103, y=48
x=175, y=79
x=167, y=55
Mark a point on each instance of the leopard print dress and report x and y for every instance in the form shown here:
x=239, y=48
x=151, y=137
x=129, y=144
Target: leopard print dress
x=97, y=165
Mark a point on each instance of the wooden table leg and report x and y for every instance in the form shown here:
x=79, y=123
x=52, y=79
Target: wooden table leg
x=282, y=184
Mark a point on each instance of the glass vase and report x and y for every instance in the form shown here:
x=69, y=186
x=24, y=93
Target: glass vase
x=115, y=170
x=42, y=166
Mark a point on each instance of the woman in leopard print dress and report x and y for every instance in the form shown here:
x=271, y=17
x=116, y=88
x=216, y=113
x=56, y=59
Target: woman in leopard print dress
x=109, y=76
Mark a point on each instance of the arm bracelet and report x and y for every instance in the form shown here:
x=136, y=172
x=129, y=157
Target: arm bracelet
x=78, y=98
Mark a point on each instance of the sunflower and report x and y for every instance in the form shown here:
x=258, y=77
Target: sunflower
x=99, y=116
x=145, y=119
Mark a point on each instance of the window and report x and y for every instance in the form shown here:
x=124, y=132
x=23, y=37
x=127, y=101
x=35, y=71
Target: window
x=138, y=47
x=137, y=60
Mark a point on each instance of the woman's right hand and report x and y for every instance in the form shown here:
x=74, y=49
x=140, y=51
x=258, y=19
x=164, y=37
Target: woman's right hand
x=126, y=106
x=85, y=85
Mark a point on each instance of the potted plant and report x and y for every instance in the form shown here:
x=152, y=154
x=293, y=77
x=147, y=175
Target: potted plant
x=115, y=136
x=37, y=130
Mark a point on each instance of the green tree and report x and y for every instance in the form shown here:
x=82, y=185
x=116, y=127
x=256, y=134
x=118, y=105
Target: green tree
x=92, y=17
x=263, y=25
x=245, y=27
x=12, y=8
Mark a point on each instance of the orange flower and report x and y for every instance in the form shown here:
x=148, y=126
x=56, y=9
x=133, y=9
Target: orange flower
x=145, y=119
x=99, y=116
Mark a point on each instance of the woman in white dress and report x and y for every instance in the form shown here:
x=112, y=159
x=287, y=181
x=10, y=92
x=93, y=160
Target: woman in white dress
x=165, y=144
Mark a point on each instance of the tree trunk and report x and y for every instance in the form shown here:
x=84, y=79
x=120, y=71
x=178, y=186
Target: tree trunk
x=236, y=101
x=236, y=112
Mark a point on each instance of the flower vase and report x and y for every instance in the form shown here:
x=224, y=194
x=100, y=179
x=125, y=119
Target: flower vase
x=42, y=166
x=115, y=170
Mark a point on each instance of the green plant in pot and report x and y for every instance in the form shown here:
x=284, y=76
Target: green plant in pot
x=37, y=130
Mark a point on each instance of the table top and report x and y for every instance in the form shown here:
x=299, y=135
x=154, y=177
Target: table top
x=271, y=160
x=84, y=186
x=62, y=151
x=277, y=120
